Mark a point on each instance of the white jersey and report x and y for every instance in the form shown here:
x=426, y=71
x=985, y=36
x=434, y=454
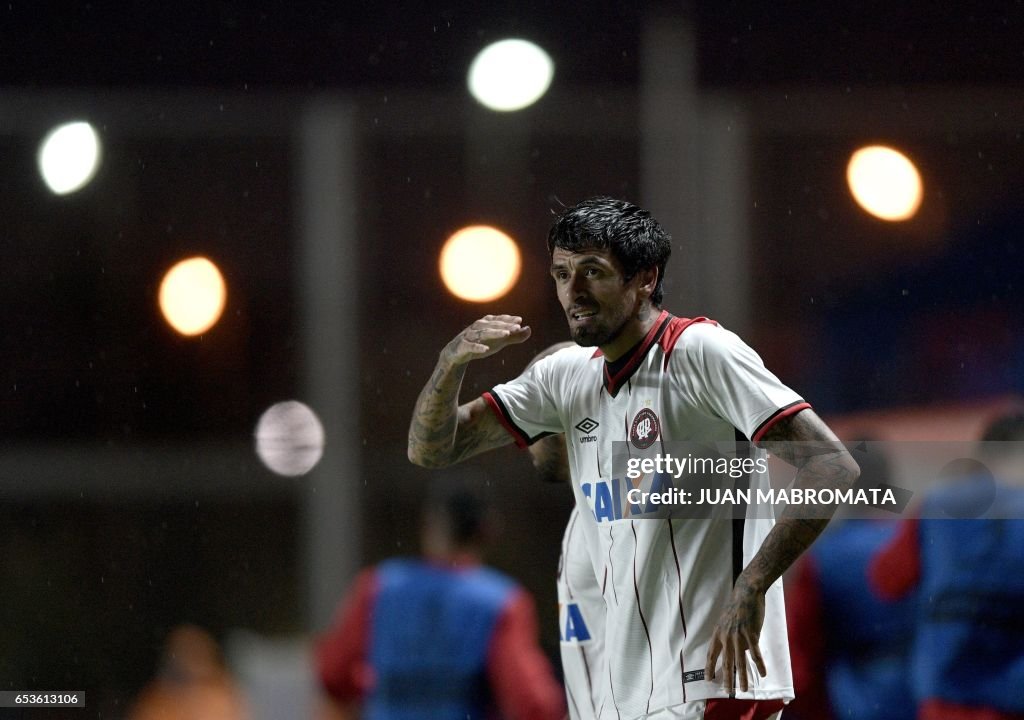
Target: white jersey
x=581, y=620
x=665, y=581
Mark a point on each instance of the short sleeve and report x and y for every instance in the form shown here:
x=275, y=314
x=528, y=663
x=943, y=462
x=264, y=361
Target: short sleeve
x=527, y=406
x=730, y=380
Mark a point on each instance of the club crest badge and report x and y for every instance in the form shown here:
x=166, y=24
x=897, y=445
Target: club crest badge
x=645, y=429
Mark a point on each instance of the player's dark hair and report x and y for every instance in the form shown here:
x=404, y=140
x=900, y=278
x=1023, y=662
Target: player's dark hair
x=464, y=513
x=632, y=235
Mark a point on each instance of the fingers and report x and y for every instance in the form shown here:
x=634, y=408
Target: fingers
x=520, y=335
x=729, y=667
x=487, y=336
x=740, y=660
x=755, y=653
x=713, y=653
x=735, y=669
x=492, y=327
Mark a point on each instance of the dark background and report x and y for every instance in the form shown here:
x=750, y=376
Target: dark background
x=855, y=313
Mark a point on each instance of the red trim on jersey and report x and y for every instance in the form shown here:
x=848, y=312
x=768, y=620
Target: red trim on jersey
x=674, y=330
x=783, y=412
x=732, y=709
x=495, y=405
x=613, y=383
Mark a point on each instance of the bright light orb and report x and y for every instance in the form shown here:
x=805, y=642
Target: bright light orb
x=479, y=263
x=289, y=438
x=192, y=296
x=884, y=182
x=510, y=75
x=69, y=157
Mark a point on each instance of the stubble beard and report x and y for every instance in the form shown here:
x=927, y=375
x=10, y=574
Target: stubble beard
x=598, y=335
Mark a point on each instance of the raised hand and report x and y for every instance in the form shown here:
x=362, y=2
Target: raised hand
x=485, y=337
x=441, y=431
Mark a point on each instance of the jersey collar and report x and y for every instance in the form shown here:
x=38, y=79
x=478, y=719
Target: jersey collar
x=617, y=374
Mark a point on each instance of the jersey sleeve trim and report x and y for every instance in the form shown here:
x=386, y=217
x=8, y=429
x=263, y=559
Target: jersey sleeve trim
x=783, y=412
x=498, y=407
x=675, y=328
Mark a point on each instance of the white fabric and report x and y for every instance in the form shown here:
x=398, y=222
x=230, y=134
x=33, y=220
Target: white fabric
x=665, y=581
x=581, y=615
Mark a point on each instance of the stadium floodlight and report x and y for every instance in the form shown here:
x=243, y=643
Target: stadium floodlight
x=69, y=157
x=510, y=75
x=884, y=182
x=192, y=296
x=289, y=438
x=480, y=263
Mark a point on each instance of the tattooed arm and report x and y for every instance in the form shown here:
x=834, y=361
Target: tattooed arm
x=806, y=442
x=442, y=432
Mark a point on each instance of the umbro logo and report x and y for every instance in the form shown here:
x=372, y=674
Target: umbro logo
x=587, y=426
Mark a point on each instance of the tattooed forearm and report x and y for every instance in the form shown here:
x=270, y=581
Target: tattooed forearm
x=784, y=544
x=805, y=442
x=435, y=418
x=442, y=432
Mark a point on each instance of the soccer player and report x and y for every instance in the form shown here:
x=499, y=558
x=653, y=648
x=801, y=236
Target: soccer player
x=695, y=625
x=581, y=606
x=440, y=636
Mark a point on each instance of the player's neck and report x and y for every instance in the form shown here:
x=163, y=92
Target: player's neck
x=455, y=558
x=635, y=329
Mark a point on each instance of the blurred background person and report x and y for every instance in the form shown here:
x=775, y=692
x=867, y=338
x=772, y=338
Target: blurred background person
x=849, y=648
x=967, y=660
x=440, y=636
x=193, y=682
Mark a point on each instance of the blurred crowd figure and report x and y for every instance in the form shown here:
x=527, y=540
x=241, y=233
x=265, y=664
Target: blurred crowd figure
x=849, y=647
x=967, y=660
x=193, y=682
x=920, y=618
x=439, y=636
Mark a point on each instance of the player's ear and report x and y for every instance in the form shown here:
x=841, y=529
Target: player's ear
x=647, y=280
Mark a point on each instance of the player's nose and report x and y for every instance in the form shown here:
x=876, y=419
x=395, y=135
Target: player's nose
x=578, y=285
